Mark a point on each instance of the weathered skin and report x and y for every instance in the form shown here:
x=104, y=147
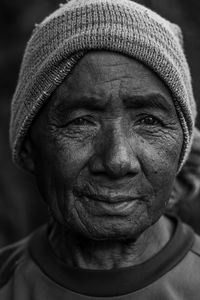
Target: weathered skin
x=109, y=133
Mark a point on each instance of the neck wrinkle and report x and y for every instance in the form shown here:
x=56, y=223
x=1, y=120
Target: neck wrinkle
x=84, y=253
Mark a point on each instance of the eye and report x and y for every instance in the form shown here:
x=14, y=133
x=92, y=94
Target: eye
x=149, y=120
x=82, y=121
x=79, y=121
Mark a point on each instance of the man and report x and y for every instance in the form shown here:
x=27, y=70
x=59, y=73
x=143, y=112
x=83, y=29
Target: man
x=103, y=116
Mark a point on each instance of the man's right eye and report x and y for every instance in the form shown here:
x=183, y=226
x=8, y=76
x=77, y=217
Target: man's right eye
x=82, y=121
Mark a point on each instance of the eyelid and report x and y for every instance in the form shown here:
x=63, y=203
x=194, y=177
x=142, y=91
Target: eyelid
x=147, y=115
x=78, y=118
x=87, y=118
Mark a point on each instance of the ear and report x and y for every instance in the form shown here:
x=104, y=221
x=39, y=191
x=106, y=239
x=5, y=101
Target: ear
x=27, y=156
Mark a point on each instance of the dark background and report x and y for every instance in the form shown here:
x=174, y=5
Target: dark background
x=21, y=207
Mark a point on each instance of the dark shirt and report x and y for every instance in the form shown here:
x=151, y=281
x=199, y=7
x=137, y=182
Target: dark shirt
x=30, y=269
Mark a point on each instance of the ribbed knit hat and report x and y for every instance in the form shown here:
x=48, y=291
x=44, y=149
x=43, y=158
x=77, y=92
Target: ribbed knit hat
x=79, y=26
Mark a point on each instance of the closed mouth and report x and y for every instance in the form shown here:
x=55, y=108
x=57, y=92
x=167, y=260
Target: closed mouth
x=110, y=199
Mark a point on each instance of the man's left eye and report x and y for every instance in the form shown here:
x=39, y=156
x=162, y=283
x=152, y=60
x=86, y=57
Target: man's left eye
x=149, y=120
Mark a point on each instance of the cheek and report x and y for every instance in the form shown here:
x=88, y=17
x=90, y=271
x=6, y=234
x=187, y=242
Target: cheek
x=62, y=158
x=70, y=160
x=58, y=169
x=160, y=160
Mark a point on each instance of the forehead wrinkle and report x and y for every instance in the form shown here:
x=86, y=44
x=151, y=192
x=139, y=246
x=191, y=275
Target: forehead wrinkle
x=151, y=100
x=69, y=96
x=123, y=85
x=82, y=101
x=154, y=90
x=98, y=66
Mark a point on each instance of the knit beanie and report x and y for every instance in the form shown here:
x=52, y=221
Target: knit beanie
x=79, y=26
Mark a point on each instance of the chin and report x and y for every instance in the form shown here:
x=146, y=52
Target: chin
x=115, y=229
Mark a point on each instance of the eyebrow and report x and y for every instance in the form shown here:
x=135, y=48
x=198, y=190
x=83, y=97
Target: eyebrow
x=87, y=102
x=94, y=103
x=153, y=100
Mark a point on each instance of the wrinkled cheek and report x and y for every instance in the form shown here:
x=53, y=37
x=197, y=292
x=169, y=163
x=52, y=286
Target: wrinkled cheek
x=57, y=178
x=160, y=167
x=59, y=193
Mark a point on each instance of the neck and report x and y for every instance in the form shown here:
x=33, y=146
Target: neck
x=107, y=254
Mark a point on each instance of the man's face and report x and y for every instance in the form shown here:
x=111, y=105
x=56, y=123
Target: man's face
x=106, y=148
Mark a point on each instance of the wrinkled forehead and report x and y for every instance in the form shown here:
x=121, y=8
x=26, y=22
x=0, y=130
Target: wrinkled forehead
x=100, y=75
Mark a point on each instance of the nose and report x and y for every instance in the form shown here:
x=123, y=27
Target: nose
x=115, y=156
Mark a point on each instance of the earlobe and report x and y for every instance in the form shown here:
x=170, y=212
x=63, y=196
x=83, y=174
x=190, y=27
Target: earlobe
x=27, y=156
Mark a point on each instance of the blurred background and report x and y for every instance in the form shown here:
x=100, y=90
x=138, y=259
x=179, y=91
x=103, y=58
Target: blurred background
x=21, y=207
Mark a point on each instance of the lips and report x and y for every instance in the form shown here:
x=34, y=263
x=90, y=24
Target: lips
x=110, y=199
x=118, y=205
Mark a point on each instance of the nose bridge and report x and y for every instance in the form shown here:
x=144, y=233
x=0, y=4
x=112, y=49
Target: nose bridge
x=118, y=154
x=117, y=145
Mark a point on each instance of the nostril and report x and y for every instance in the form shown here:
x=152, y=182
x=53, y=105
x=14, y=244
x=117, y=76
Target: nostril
x=96, y=165
x=117, y=167
x=115, y=157
x=114, y=166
